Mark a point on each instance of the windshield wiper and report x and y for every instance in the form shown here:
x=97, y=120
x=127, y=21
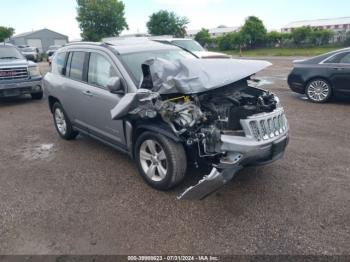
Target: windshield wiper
x=9, y=57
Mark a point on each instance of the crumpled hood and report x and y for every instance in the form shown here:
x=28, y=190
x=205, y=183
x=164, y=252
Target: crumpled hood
x=190, y=76
x=209, y=54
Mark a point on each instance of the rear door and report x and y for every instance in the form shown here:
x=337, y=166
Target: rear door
x=75, y=89
x=340, y=73
x=98, y=101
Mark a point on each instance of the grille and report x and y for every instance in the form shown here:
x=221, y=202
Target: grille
x=268, y=127
x=13, y=73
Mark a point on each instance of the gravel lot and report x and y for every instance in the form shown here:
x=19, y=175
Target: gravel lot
x=82, y=197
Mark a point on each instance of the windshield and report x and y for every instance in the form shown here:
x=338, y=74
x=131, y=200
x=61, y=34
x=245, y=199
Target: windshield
x=134, y=61
x=190, y=45
x=10, y=52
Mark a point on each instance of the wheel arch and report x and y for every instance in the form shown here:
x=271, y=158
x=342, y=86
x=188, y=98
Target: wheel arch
x=52, y=100
x=156, y=127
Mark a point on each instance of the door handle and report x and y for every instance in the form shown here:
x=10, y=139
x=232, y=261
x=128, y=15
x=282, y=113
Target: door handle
x=88, y=93
x=338, y=68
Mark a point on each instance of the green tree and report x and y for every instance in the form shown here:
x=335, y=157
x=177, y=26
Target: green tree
x=203, y=37
x=274, y=38
x=100, y=18
x=325, y=36
x=164, y=22
x=301, y=35
x=254, y=31
x=231, y=41
x=6, y=32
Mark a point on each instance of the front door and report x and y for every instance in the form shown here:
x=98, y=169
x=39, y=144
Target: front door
x=99, y=102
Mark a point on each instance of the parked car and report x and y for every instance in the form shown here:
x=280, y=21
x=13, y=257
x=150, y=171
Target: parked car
x=323, y=76
x=18, y=76
x=52, y=49
x=22, y=46
x=31, y=53
x=164, y=108
x=192, y=46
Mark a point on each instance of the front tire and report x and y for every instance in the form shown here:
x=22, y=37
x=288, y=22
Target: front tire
x=318, y=90
x=161, y=161
x=62, y=123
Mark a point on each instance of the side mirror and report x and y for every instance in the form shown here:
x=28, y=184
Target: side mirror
x=115, y=85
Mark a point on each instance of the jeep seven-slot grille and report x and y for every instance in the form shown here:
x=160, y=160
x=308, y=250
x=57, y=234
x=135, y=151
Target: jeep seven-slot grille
x=269, y=127
x=13, y=73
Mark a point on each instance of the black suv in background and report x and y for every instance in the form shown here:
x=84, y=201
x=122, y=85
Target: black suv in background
x=18, y=76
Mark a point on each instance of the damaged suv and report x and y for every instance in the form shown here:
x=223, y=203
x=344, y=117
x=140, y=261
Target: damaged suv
x=167, y=109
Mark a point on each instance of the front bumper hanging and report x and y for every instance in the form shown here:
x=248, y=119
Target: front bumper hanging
x=210, y=183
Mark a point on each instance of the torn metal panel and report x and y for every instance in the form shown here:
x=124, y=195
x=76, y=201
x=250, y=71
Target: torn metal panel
x=134, y=103
x=210, y=183
x=191, y=76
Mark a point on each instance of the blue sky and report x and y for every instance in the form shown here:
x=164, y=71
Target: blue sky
x=59, y=15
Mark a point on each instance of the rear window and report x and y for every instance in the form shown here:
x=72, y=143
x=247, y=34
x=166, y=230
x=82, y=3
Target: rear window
x=345, y=59
x=58, y=63
x=76, y=65
x=339, y=58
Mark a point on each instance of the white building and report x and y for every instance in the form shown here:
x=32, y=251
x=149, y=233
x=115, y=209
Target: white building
x=339, y=25
x=215, y=32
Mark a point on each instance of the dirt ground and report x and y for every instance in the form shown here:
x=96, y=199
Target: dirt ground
x=82, y=197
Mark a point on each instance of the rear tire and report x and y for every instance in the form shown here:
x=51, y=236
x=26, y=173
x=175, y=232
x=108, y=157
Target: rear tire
x=62, y=123
x=318, y=90
x=161, y=161
x=37, y=96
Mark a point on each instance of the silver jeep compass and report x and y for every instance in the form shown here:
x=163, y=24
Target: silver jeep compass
x=167, y=109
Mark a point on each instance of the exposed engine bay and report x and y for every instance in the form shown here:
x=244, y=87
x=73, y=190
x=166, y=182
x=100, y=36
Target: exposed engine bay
x=203, y=116
x=209, y=120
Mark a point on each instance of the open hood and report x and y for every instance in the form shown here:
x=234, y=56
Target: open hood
x=184, y=76
x=191, y=76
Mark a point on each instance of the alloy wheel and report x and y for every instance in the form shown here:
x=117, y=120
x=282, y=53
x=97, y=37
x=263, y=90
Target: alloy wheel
x=318, y=91
x=153, y=160
x=60, y=121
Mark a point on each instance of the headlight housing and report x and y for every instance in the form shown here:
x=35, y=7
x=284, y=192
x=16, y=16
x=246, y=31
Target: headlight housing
x=34, y=71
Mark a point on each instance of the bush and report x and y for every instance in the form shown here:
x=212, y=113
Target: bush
x=231, y=41
x=306, y=35
x=347, y=39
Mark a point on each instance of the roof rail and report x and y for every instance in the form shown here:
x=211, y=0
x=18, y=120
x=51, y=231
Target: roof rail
x=83, y=43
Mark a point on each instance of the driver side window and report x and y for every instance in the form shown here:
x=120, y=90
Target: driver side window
x=100, y=70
